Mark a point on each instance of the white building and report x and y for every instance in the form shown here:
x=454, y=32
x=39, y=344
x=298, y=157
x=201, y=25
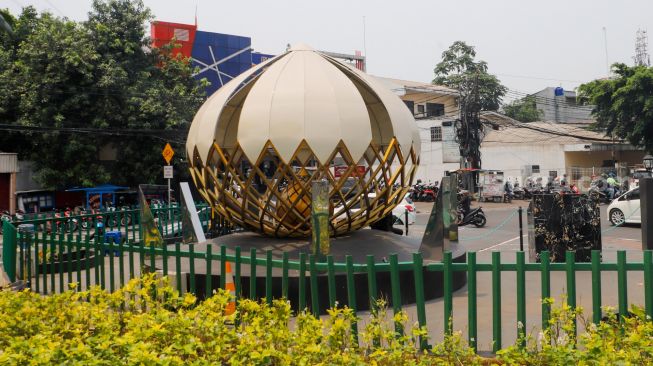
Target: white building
x=435, y=108
x=551, y=149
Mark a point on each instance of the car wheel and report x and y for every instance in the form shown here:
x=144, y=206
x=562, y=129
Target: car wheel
x=617, y=217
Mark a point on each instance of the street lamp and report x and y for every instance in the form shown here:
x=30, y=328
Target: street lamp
x=648, y=162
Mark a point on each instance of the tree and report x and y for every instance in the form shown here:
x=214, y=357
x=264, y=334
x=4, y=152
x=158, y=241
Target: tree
x=523, y=110
x=459, y=70
x=623, y=104
x=102, y=75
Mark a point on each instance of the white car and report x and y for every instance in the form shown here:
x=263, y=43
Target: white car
x=625, y=209
x=399, y=212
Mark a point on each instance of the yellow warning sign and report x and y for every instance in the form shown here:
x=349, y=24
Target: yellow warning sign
x=168, y=153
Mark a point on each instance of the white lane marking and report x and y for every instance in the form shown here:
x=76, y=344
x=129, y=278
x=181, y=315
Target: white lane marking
x=496, y=245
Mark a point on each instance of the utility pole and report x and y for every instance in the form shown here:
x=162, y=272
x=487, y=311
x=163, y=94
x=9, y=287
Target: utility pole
x=641, y=57
x=605, y=43
x=469, y=130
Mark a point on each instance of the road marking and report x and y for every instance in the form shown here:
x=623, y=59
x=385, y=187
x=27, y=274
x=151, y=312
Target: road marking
x=496, y=245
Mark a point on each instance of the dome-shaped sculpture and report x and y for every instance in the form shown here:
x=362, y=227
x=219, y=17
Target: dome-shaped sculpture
x=257, y=143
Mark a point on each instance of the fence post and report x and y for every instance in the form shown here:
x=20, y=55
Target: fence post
x=351, y=294
x=622, y=284
x=371, y=281
x=545, y=277
x=252, y=274
x=209, y=278
x=268, y=277
x=447, y=289
x=396, y=291
x=302, y=282
x=315, y=302
x=496, y=301
x=471, y=299
x=331, y=278
x=284, y=275
x=596, y=285
x=570, y=261
x=418, y=273
x=521, y=299
x=648, y=291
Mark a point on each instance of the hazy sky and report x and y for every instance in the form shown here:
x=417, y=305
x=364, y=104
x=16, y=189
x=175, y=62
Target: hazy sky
x=528, y=44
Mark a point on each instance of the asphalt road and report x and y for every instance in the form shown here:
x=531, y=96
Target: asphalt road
x=501, y=232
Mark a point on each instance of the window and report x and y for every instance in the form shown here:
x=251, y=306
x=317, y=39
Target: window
x=434, y=109
x=634, y=195
x=553, y=173
x=535, y=168
x=576, y=173
x=436, y=134
x=420, y=109
x=411, y=106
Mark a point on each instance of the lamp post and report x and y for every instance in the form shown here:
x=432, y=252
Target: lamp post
x=648, y=162
x=646, y=205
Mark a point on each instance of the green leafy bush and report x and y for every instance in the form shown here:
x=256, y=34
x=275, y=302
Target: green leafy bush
x=148, y=323
x=616, y=340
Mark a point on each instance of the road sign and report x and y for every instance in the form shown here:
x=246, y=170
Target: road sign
x=168, y=153
x=167, y=171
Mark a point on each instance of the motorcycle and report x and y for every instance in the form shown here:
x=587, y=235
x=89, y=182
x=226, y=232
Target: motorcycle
x=475, y=217
x=519, y=192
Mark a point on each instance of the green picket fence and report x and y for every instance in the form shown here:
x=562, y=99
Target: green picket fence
x=110, y=265
x=169, y=219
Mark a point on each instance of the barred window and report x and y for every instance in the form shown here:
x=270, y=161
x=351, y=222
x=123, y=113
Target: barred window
x=436, y=134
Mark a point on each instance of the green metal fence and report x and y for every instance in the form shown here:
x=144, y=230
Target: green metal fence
x=109, y=265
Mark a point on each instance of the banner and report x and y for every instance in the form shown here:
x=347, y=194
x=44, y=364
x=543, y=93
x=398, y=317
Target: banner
x=450, y=148
x=149, y=229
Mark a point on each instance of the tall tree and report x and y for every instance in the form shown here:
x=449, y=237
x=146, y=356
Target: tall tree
x=523, y=110
x=623, y=104
x=100, y=74
x=459, y=70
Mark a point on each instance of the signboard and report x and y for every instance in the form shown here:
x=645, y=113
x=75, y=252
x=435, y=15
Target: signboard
x=450, y=148
x=360, y=171
x=168, y=153
x=167, y=171
x=491, y=184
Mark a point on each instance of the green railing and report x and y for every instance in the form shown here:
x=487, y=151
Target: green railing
x=109, y=265
x=169, y=219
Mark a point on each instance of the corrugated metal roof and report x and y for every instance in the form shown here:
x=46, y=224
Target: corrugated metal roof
x=416, y=85
x=527, y=133
x=8, y=162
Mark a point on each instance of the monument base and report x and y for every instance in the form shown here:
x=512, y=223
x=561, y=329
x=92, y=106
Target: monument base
x=359, y=244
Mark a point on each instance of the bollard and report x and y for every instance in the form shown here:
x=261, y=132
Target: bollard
x=521, y=231
x=406, y=221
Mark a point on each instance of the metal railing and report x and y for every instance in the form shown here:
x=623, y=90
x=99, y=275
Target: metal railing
x=51, y=263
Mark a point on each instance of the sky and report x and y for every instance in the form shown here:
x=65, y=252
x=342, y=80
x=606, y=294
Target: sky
x=529, y=45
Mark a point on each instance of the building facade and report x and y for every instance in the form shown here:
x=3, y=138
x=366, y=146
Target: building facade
x=546, y=149
x=435, y=109
x=560, y=106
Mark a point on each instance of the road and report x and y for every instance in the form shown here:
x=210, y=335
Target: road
x=502, y=231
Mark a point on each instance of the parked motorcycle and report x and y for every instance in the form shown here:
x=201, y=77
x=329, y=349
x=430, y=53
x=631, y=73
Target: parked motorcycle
x=519, y=192
x=475, y=217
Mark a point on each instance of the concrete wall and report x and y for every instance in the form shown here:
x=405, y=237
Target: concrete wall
x=587, y=159
x=431, y=167
x=511, y=158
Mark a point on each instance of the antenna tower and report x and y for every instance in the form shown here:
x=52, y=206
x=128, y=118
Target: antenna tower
x=641, y=57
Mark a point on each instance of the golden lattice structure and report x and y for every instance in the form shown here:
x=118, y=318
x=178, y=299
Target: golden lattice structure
x=277, y=202
x=259, y=142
